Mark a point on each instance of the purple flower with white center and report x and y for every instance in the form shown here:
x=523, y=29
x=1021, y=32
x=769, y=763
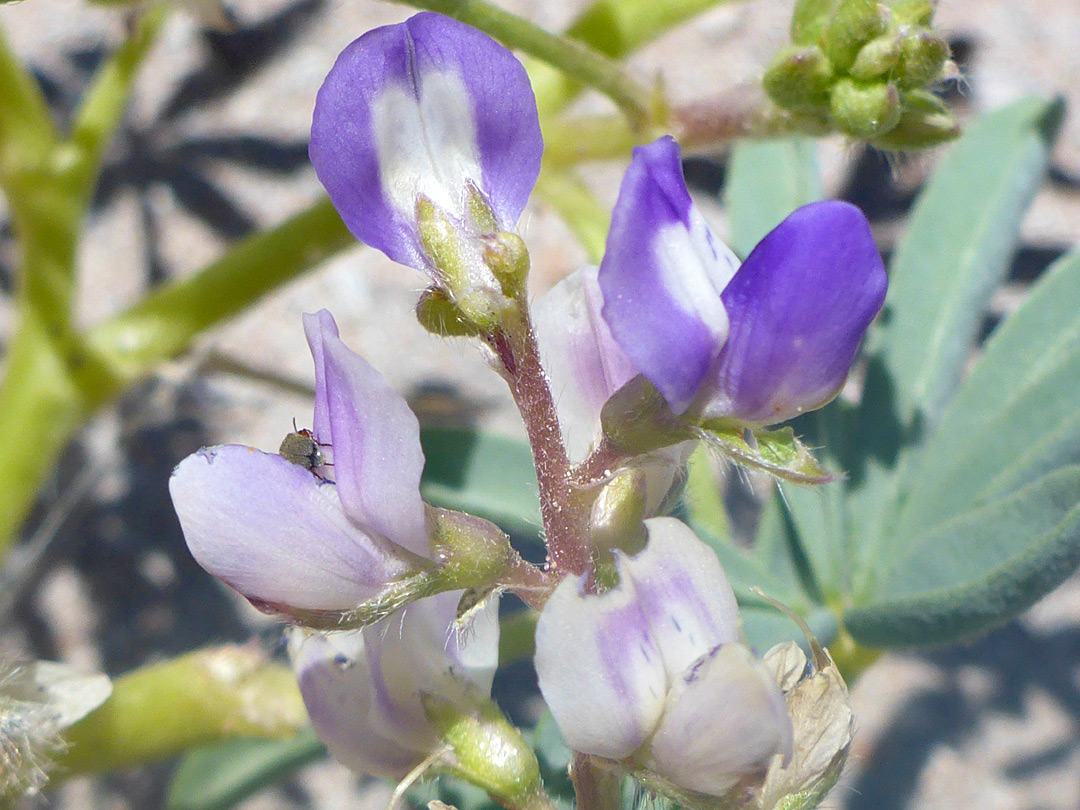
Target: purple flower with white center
x=364, y=689
x=287, y=537
x=652, y=673
x=759, y=343
x=424, y=109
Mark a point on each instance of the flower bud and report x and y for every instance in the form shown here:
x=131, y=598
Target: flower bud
x=615, y=521
x=438, y=314
x=877, y=57
x=913, y=12
x=923, y=55
x=471, y=551
x=809, y=20
x=799, y=78
x=507, y=257
x=925, y=122
x=854, y=24
x=864, y=110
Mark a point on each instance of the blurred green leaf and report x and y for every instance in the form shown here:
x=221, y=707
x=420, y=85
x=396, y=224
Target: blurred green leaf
x=1015, y=418
x=978, y=569
x=486, y=475
x=959, y=241
x=767, y=180
x=220, y=776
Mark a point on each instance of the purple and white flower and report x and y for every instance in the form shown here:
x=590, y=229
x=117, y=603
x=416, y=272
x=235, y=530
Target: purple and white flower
x=290, y=539
x=365, y=689
x=653, y=674
x=759, y=343
x=431, y=108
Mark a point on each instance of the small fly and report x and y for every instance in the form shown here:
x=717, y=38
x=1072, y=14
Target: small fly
x=302, y=448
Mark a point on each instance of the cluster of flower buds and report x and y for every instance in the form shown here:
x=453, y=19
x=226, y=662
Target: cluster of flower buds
x=426, y=136
x=865, y=68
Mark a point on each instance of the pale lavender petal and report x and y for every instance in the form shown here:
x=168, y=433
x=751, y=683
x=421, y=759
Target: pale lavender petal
x=798, y=307
x=662, y=275
x=315, y=326
x=725, y=719
x=599, y=669
x=584, y=364
x=335, y=681
x=420, y=650
x=423, y=108
x=682, y=592
x=276, y=532
x=376, y=449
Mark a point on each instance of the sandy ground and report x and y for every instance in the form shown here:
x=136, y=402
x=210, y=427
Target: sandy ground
x=215, y=146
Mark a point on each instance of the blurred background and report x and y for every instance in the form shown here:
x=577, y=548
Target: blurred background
x=215, y=146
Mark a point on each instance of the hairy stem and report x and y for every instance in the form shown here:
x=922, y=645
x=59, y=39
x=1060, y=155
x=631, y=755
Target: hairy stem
x=594, y=787
x=564, y=521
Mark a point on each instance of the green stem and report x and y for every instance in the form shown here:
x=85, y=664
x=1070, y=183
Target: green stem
x=103, y=106
x=161, y=710
x=577, y=59
x=615, y=28
x=26, y=129
x=165, y=323
x=585, y=215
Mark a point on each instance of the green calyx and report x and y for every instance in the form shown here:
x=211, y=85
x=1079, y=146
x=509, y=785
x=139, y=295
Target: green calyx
x=865, y=67
x=480, y=271
x=487, y=750
x=471, y=552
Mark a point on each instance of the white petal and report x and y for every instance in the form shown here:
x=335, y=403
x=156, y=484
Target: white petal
x=426, y=142
x=725, y=719
x=599, y=669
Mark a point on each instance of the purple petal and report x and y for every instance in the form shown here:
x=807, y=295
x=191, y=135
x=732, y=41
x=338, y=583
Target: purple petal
x=683, y=593
x=335, y=681
x=798, y=306
x=725, y=719
x=376, y=448
x=662, y=275
x=583, y=362
x=420, y=650
x=315, y=326
x=275, y=532
x=363, y=689
x=422, y=108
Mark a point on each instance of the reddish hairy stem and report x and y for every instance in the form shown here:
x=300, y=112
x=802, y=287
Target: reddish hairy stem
x=564, y=524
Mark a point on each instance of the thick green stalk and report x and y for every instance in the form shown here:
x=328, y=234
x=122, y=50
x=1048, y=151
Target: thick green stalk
x=102, y=108
x=164, y=324
x=574, y=58
x=161, y=710
x=615, y=28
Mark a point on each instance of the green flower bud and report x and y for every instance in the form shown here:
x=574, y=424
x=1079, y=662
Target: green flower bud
x=441, y=316
x=855, y=23
x=913, y=12
x=799, y=78
x=809, y=20
x=924, y=122
x=877, y=58
x=488, y=752
x=864, y=110
x=508, y=258
x=618, y=513
x=922, y=58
